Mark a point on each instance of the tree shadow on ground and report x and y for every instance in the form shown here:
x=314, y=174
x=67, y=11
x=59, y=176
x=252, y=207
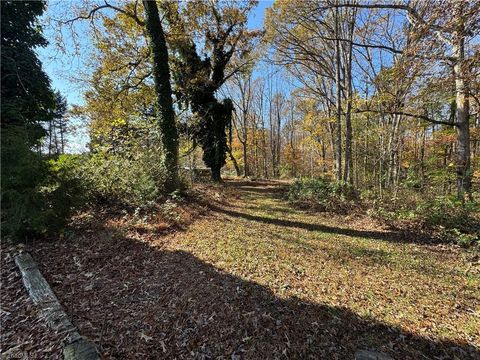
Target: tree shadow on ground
x=275, y=190
x=377, y=235
x=144, y=302
x=270, y=188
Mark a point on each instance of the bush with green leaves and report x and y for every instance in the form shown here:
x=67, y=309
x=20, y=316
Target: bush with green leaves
x=447, y=211
x=65, y=190
x=133, y=180
x=444, y=217
x=324, y=194
x=463, y=239
x=22, y=173
x=126, y=164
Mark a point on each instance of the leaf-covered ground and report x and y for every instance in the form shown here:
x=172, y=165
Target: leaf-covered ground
x=256, y=278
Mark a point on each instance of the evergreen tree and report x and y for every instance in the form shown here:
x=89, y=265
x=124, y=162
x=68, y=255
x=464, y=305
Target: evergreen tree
x=27, y=101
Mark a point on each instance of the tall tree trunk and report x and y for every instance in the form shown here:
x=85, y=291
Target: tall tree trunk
x=246, y=171
x=234, y=161
x=462, y=113
x=338, y=130
x=365, y=159
x=255, y=171
x=380, y=166
x=62, y=136
x=422, y=155
x=278, y=149
x=331, y=137
x=265, y=152
x=324, y=158
x=392, y=150
x=348, y=172
x=163, y=92
x=50, y=131
x=355, y=173
x=476, y=142
x=271, y=125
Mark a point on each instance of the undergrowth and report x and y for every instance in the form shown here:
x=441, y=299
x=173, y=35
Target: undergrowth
x=443, y=218
x=323, y=194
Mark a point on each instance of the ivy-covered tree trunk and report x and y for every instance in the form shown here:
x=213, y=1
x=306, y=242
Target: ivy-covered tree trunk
x=163, y=91
x=215, y=119
x=199, y=74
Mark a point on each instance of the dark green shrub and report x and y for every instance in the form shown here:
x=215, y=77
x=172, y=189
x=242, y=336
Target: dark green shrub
x=22, y=173
x=37, y=197
x=323, y=194
x=67, y=189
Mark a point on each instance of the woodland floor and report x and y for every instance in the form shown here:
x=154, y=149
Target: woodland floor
x=253, y=277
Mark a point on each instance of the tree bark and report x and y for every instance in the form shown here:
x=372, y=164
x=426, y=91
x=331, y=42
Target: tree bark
x=278, y=147
x=234, y=162
x=338, y=130
x=462, y=122
x=246, y=171
x=62, y=136
x=348, y=171
x=163, y=92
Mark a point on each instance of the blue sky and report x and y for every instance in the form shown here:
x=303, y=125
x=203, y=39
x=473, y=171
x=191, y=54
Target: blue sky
x=61, y=67
x=64, y=66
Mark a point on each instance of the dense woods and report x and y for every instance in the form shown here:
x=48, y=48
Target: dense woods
x=295, y=147
x=382, y=73
x=379, y=97
x=376, y=77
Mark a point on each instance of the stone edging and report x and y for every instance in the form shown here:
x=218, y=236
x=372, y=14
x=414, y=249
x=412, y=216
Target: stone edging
x=76, y=347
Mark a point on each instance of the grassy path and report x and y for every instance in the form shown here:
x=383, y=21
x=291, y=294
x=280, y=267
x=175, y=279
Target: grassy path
x=258, y=279
x=431, y=291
